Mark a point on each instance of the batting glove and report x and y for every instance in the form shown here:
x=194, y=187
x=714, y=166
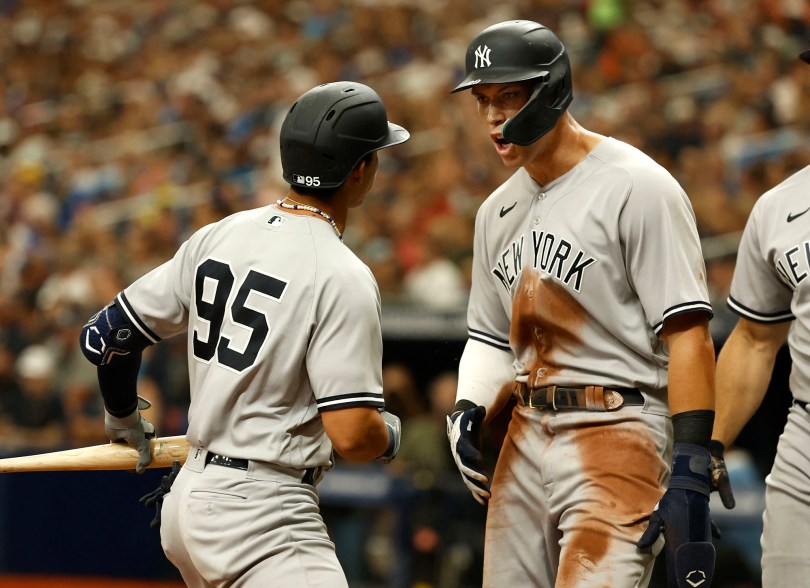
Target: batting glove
x=464, y=433
x=156, y=496
x=394, y=426
x=134, y=430
x=682, y=515
x=719, y=473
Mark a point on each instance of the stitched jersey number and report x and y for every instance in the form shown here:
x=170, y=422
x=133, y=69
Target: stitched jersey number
x=213, y=311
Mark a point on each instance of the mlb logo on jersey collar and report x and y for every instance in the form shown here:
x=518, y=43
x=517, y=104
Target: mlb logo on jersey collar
x=276, y=220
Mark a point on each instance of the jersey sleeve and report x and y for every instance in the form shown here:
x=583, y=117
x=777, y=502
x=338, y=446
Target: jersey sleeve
x=663, y=257
x=487, y=321
x=757, y=291
x=344, y=357
x=158, y=302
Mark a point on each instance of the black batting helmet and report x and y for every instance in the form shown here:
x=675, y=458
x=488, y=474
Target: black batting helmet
x=516, y=51
x=329, y=130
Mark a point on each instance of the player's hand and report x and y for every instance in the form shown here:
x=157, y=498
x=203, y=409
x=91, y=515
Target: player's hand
x=682, y=515
x=134, y=430
x=394, y=426
x=464, y=433
x=719, y=473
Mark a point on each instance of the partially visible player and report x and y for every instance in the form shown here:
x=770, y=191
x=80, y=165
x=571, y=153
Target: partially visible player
x=284, y=354
x=770, y=291
x=589, y=290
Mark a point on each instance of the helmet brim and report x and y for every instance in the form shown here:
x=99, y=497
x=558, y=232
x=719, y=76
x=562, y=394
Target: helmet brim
x=396, y=135
x=504, y=75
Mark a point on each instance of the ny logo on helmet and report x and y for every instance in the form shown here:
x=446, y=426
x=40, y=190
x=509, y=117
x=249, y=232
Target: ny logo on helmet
x=482, y=57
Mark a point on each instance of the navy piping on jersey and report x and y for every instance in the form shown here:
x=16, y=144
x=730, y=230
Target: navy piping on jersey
x=697, y=305
x=488, y=339
x=760, y=317
x=373, y=399
x=136, y=320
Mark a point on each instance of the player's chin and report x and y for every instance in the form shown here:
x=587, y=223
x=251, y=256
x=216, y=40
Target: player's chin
x=509, y=153
x=512, y=158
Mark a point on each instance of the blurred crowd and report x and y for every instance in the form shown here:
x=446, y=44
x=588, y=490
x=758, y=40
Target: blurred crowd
x=125, y=126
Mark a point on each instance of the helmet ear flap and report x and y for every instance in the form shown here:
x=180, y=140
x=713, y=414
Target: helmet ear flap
x=547, y=103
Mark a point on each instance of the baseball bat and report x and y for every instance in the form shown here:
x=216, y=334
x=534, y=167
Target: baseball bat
x=112, y=456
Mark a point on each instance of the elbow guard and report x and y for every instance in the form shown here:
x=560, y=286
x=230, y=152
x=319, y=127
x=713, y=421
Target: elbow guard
x=109, y=334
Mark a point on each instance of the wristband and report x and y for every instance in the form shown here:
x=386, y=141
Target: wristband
x=463, y=405
x=693, y=426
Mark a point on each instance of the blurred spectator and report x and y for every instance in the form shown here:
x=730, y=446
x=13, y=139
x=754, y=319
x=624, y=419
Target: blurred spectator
x=423, y=432
x=35, y=416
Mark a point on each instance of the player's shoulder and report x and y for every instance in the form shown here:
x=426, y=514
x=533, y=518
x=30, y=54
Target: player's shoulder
x=643, y=178
x=621, y=157
x=227, y=223
x=792, y=191
x=512, y=190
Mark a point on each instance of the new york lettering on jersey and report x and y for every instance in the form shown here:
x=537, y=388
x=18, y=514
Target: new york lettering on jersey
x=554, y=255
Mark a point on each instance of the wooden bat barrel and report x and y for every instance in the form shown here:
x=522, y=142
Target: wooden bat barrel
x=112, y=456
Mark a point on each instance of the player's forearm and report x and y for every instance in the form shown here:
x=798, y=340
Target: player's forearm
x=358, y=435
x=744, y=367
x=691, y=369
x=485, y=377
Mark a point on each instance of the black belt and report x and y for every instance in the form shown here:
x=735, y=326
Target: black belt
x=242, y=464
x=591, y=398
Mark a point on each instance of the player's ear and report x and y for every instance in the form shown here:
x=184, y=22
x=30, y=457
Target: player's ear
x=362, y=169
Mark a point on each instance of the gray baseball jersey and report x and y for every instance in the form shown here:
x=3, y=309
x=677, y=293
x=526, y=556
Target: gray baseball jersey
x=283, y=321
x=770, y=285
x=773, y=263
x=578, y=276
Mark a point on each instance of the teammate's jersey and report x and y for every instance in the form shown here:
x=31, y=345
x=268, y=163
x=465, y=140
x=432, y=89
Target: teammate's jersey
x=770, y=283
x=578, y=276
x=283, y=321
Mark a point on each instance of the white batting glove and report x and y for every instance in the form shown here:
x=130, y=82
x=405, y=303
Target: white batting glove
x=464, y=433
x=134, y=430
x=394, y=426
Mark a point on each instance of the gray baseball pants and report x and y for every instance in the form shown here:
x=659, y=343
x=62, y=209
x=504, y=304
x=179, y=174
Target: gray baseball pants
x=225, y=527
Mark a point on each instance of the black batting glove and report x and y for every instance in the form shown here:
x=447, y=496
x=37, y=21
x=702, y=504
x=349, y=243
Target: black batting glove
x=464, y=433
x=155, y=497
x=719, y=474
x=682, y=515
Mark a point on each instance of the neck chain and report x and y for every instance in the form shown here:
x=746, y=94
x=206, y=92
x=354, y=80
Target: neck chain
x=300, y=206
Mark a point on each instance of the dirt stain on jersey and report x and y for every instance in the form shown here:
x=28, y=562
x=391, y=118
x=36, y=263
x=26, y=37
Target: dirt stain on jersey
x=545, y=318
x=622, y=473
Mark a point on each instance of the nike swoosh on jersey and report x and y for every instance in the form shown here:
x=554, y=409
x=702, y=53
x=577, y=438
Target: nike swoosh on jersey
x=791, y=217
x=505, y=210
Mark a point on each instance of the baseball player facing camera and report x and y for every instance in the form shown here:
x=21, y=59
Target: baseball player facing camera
x=589, y=305
x=284, y=354
x=770, y=294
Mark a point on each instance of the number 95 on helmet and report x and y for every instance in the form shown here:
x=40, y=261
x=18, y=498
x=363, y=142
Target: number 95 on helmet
x=517, y=51
x=329, y=129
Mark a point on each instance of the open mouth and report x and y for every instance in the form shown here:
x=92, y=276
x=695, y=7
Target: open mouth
x=501, y=144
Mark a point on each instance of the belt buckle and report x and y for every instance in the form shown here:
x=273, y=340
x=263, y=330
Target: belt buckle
x=613, y=400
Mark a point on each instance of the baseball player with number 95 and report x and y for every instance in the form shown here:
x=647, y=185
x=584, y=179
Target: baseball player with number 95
x=589, y=305
x=284, y=358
